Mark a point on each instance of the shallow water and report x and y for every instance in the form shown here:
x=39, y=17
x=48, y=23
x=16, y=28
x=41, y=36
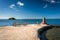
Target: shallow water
x=4, y=22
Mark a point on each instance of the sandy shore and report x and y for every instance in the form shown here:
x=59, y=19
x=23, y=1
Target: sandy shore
x=28, y=32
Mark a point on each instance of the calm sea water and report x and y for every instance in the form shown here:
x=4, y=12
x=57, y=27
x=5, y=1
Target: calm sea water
x=4, y=22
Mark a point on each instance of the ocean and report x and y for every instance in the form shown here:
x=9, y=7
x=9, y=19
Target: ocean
x=6, y=22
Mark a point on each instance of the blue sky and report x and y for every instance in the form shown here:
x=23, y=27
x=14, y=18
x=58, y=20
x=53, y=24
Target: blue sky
x=29, y=9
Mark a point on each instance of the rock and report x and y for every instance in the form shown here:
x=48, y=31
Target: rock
x=12, y=18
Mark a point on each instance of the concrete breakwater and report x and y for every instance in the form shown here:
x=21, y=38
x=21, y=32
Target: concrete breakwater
x=42, y=32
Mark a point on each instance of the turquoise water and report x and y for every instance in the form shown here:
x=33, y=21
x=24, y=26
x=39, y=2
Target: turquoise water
x=4, y=22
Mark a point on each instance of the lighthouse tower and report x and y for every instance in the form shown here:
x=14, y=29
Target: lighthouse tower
x=43, y=23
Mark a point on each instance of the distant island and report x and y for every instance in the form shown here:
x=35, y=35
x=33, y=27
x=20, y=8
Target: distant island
x=12, y=18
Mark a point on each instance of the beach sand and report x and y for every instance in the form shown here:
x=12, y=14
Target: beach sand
x=28, y=32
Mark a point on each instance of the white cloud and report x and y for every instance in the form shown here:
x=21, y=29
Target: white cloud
x=20, y=3
x=52, y=1
x=45, y=6
x=15, y=6
x=12, y=6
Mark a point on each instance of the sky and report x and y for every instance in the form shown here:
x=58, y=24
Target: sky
x=29, y=9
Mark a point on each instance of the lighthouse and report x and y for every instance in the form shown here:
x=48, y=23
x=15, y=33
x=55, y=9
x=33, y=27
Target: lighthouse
x=44, y=21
